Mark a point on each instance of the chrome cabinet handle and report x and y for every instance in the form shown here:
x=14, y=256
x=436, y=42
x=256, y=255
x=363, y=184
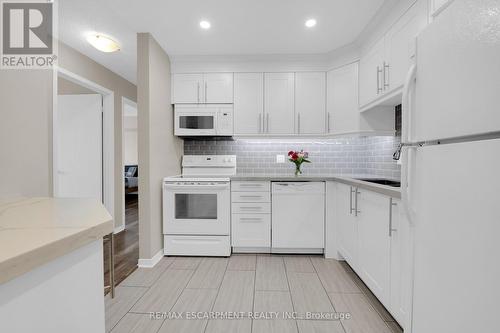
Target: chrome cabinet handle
x=206, y=91
x=356, y=211
x=391, y=204
x=328, y=122
x=260, y=123
x=386, y=78
x=267, y=121
x=350, y=201
x=298, y=123
x=379, y=88
x=198, y=92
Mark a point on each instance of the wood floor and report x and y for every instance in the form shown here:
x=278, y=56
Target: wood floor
x=185, y=290
x=126, y=244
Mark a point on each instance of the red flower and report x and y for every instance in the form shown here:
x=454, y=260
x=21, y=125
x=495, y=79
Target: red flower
x=290, y=153
x=294, y=156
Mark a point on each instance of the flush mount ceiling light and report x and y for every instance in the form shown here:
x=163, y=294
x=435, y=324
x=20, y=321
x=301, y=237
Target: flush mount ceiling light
x=205, y=25
x=310, y=23
x=103, y=43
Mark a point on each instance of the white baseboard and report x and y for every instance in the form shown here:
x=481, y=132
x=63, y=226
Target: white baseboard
x=119, y=229
x=150, y=263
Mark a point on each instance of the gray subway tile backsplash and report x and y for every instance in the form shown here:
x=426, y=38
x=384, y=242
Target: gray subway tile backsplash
x=346, y=155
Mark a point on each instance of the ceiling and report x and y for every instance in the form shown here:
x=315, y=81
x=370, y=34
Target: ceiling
x=239, y=27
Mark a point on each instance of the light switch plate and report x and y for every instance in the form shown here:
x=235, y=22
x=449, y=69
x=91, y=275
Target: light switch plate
x=280, y=158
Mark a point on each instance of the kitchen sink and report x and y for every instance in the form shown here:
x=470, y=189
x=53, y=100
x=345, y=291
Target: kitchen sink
x=381, y=181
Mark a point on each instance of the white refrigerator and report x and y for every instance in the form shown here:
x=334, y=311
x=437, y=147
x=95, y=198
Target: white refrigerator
x=451, y=170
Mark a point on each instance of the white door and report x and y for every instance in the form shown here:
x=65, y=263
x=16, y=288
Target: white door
x=342, y=100
x=187, y=88
x=248, y=103
x=79, y=146
x=310, y=102
x=457, y=227
x=374, y=243
x=218, y=88
x=279, y=103
x=371, y=74
x=458, y=73
x=347, y=224
x=400, y=43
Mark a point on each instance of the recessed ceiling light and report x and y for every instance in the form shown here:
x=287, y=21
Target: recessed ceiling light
x=103, y=43
x=310, y=23
x=205, y=25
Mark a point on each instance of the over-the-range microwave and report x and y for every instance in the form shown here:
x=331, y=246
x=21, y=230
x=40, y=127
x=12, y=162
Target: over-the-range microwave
x=203, y=120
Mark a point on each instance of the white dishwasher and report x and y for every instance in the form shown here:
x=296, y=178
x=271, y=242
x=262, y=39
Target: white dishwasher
x=298, y=217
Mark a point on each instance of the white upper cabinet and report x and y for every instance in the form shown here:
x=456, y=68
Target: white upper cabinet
x=383, y=67
x=400, y=44
x=248, y=103
x=214, y=88
x=342, y=100
x=218, y=88
x=279, y=89
x=187, y=88
x=371, y=84
x=374, y=243
x=343, y=114
x=310, y=102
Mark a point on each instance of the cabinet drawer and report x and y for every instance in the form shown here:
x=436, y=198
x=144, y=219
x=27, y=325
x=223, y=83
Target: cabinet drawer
x=251, y=197
x=251, y=186
x=251, y=230
x=251, y=208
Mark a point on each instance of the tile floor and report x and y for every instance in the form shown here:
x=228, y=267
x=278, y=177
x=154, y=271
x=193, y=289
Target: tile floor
x=261, y=284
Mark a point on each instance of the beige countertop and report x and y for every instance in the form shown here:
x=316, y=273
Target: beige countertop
x=390, y=191
x=34, y=231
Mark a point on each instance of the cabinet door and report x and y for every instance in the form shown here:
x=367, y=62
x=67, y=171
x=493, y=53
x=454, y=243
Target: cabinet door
x=400, y=43
x=342, y=100
x=251, y=230
x=218, y=88
x=187, y=88
x=374, y=243
x=279, y=103
x=248, y=103
x=370, y=74
x=347, y=225
x=401, y=265
x=310, y=100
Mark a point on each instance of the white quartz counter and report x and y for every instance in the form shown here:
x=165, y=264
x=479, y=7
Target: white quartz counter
x=35, y=231
x=390, y=191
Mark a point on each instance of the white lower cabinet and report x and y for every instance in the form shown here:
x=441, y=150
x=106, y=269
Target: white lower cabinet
x=374, y=237
x=374, y=242
x=347, y=225
x=251, y=216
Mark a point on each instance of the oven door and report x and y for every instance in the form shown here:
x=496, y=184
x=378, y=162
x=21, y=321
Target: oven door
x=197, y=208
x=193, y=122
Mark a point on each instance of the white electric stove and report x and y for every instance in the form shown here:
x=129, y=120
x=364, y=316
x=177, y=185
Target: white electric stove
x=197, y=207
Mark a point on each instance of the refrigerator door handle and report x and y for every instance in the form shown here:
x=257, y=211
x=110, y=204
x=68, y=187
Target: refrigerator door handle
x=406, y=184
x=406, y=105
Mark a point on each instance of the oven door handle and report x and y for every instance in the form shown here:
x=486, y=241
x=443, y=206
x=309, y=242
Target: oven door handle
x=171, y=187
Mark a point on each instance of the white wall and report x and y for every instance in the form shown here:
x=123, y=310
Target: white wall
x=26, y=132
x=160, y=151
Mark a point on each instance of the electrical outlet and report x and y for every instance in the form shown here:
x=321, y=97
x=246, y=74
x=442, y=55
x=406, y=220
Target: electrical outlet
x=280, y=158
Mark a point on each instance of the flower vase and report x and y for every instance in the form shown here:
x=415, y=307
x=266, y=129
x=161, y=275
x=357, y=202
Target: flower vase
x=297, y=169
